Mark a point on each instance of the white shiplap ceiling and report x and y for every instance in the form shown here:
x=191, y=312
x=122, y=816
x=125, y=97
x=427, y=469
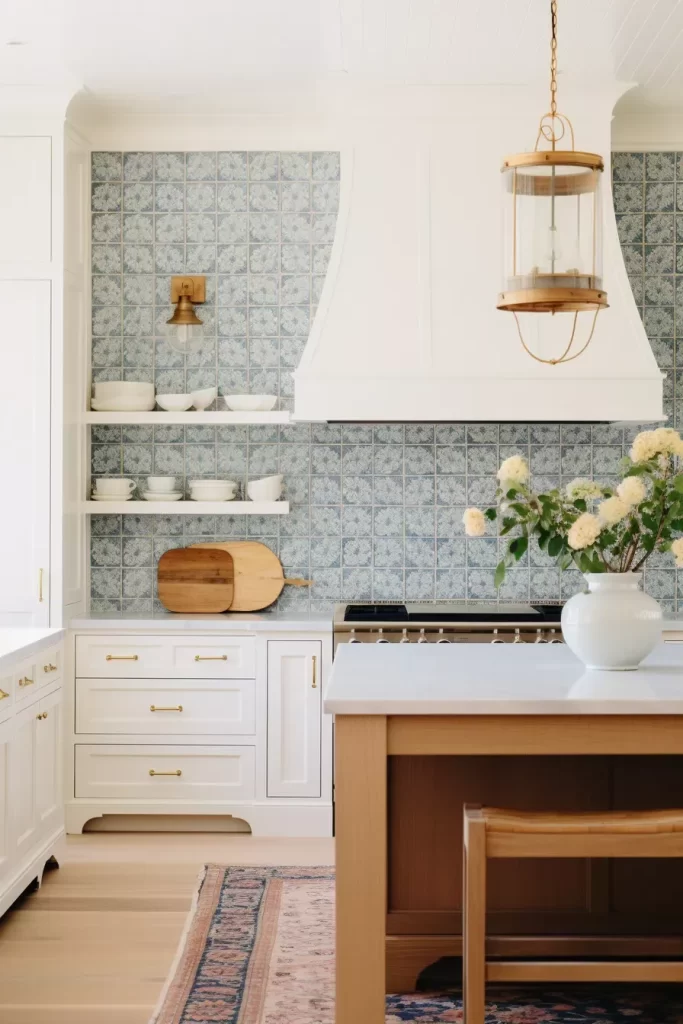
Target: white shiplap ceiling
x=157, y=48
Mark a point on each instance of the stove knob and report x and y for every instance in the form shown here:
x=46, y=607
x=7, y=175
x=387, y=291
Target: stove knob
x=496, y=638
x=353, y=639
x=540, y=638
x=381, y=639
x=518, y=638
x=554, y=638
x=442, y=639
x=405, y=639
x=422, y=639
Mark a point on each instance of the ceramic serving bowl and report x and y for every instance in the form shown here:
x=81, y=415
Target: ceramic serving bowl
x=250, y=403
x=123, y=396
x=174, y=403
x=161, y=484
x=267, y=489
x=202, y=399
x=212, y=490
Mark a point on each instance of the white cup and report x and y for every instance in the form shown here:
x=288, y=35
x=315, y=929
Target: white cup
x=114, y=485
x=161, y=484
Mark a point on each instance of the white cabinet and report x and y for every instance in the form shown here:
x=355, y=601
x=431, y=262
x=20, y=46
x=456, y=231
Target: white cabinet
x=294, y=717
x=22, y=758
x=25, y=199
x=31, y=772
x=48, y=763
x=25, y=452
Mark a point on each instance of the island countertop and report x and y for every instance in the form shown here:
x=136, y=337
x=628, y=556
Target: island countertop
x=497, y=679
x=25, y=642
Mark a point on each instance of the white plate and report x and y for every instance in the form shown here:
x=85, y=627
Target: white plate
x=122, y=405
x=111, y=497
x=212, y=499
x=162, y=495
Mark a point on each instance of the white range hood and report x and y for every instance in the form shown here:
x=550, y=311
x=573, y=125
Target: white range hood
x=407, y=327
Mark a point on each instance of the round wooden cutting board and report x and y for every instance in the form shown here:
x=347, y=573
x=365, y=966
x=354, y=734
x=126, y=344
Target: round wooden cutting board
x=259, y=579
x=192, y=580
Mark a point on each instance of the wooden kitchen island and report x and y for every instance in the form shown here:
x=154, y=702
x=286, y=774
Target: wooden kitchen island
x=421, y=730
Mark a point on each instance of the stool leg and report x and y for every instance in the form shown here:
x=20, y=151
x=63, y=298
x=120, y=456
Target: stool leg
x=474, y=916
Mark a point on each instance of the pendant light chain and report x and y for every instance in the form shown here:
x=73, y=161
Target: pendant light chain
x=553, y=58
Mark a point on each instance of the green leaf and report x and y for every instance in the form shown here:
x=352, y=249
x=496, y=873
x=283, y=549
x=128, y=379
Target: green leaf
x=522, y=545
x=555, y=545
x=512, y=493
x=542, y=539
x=580, y=504
x=491, y=514
x=678, y=483
x=500, y=575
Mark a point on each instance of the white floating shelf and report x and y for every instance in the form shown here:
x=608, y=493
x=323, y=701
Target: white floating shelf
x=221, y=418
x=187, y=508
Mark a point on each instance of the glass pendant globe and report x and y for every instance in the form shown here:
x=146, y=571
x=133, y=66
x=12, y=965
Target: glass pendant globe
x=185, y=338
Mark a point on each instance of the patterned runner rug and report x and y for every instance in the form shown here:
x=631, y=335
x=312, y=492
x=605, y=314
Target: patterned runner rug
x=259, y=949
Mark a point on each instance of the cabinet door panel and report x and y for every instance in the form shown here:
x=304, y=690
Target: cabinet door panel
x=49, y=762
x=25, y=460
x=5, y=862
x=294, y=717
x=23, y=819
x=25, y=199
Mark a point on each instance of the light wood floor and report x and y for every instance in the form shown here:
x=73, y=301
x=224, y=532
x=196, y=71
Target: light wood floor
x=95, y=944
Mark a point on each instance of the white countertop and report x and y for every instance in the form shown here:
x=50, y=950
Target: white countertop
x=252, y=622
x=25, y=642
x=497, y=679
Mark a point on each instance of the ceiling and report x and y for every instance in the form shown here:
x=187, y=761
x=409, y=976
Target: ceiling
x=161, y=48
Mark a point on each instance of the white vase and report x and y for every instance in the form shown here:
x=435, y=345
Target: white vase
x=615, y=625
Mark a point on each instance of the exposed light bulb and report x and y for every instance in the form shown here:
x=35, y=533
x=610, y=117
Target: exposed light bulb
x=553, y=251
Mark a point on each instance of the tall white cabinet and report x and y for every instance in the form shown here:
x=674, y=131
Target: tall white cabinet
x=294, y=717
x=43, y=297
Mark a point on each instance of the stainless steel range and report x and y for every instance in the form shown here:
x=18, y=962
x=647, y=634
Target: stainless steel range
x=425, y=622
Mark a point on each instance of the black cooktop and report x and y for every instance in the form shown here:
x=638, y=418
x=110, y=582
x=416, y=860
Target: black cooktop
x=452, y=612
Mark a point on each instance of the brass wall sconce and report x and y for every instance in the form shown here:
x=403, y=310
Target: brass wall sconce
x=184, y=330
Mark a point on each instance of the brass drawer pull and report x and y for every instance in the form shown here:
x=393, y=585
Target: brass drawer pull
x=153, y=707
x=176, y=772
x=3, y=694
x=314, y=684
x=26, y=681
x=44, y=715
x=122, y=657
x=211, y=657
x=49, y=668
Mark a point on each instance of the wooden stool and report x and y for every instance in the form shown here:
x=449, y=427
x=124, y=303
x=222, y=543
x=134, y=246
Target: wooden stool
x=489, y=832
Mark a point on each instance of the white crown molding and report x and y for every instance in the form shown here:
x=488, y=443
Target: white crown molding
x=648, y=131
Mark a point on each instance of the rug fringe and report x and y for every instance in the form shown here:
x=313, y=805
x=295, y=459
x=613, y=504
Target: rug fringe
x=181, y=946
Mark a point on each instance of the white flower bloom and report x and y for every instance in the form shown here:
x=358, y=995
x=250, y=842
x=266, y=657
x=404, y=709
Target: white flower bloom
x=644, y=446
x=612, y=510
x=514, y=470
x=584, y=532
x=632, y=490
x=677, y=552
x=475, y=522
x=583, y=488
x=664, y=440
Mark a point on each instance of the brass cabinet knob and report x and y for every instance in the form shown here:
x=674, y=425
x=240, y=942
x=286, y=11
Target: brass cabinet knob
x=3, y=694
x=26, y=681
x=49, y=668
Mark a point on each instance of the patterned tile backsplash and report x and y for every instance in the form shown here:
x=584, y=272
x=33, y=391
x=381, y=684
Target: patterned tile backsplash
x=376, y=510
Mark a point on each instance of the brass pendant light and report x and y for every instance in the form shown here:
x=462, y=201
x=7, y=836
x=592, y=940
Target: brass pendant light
x=553, y=226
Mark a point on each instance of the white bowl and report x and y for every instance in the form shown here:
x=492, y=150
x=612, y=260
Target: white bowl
x=174, y=403
x=202, y=399
x=250, y=403
x=209, y=482
x=161, y=484
x=267, y=489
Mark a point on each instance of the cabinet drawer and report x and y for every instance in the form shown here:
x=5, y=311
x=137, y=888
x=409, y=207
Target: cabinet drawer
x=49, y=666
x=165, y=707
x=138, y=772
x=150, y=657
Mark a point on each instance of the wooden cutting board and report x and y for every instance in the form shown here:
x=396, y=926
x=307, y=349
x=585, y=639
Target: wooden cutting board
x=191, y=580
x=259, y=579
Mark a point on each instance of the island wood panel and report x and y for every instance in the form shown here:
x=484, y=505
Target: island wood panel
x=426, y=795
x=566, y=897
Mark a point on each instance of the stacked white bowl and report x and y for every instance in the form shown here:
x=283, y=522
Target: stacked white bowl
x=212, y=490
x=267, y=489
x=162, y=488
x=123, y=396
